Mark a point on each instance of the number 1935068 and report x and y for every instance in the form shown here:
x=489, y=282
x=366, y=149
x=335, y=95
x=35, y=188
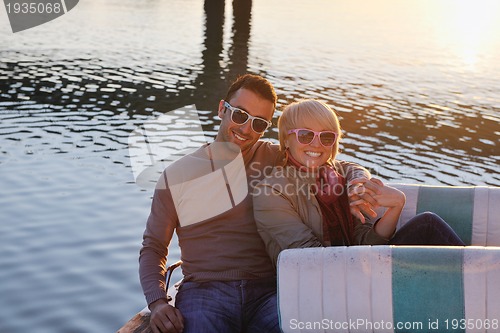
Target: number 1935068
x=34, y=8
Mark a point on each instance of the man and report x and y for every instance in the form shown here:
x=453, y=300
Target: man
x=229, y=280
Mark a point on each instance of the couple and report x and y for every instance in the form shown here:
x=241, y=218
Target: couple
x=206, y=197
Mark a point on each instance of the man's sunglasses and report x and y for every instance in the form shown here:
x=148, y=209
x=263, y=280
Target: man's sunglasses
x=306, y=136
x=240, y=117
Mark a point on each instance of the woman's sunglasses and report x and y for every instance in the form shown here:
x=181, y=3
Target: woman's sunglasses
x=306, y=136
x=240, y=117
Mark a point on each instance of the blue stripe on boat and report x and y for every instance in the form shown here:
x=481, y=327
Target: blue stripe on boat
x=427, y=285
x=455, y=206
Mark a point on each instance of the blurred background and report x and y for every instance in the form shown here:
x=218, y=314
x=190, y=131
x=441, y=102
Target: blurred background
x=415, y=82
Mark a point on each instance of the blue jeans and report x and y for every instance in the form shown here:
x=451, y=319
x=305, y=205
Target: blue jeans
x=246, y=306
x=426, y=229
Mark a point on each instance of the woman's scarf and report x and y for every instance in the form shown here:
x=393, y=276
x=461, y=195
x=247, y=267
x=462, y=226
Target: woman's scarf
x=331, y=193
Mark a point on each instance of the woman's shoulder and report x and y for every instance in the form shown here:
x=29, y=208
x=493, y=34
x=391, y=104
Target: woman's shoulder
x=350, y=170
x=278, y=175
x=275, y=187
x=284, y=180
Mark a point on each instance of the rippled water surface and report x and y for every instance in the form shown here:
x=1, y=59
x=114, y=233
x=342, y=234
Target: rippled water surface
x=415, y=83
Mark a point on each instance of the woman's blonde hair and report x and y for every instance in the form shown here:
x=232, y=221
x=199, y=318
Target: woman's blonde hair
x=299, y=114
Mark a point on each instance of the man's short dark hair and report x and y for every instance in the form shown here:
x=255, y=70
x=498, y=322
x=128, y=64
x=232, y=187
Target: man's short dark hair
x=256, y=84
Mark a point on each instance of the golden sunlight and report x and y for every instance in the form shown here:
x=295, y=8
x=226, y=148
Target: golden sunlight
x=469, y=28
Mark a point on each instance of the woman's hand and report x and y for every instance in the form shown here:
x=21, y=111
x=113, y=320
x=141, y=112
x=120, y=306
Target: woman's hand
x=365, y=195
x=361, y=198
x=387, y=196
x=394, y=200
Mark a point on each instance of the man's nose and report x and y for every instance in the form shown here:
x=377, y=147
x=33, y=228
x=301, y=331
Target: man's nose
x=247, y=127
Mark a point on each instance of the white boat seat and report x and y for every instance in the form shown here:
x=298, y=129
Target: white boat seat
x=389, y=289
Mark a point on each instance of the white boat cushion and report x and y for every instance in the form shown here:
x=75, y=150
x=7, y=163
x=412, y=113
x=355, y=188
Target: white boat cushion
x=389, y=289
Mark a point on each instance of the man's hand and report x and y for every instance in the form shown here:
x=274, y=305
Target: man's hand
x=165, y=318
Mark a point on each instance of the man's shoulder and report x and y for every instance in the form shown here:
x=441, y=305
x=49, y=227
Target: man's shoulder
x=345, y=164
x=267, y=145
x=189, y=165
x=267, y=152
x=188, y=158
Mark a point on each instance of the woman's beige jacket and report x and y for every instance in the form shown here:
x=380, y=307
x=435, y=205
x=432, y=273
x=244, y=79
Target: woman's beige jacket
x=288, y=215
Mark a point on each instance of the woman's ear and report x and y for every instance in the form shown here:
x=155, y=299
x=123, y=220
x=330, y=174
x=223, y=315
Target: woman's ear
x=287, y=144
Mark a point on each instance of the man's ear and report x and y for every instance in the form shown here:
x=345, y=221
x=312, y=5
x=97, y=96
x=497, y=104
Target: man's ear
x=222, y=108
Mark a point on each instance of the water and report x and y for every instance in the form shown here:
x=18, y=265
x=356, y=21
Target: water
x=415, y=83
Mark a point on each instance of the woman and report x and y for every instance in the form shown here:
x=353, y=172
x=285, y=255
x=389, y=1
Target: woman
x=305, y=203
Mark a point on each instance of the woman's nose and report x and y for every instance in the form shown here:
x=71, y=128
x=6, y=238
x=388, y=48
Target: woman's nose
x=315, y=142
